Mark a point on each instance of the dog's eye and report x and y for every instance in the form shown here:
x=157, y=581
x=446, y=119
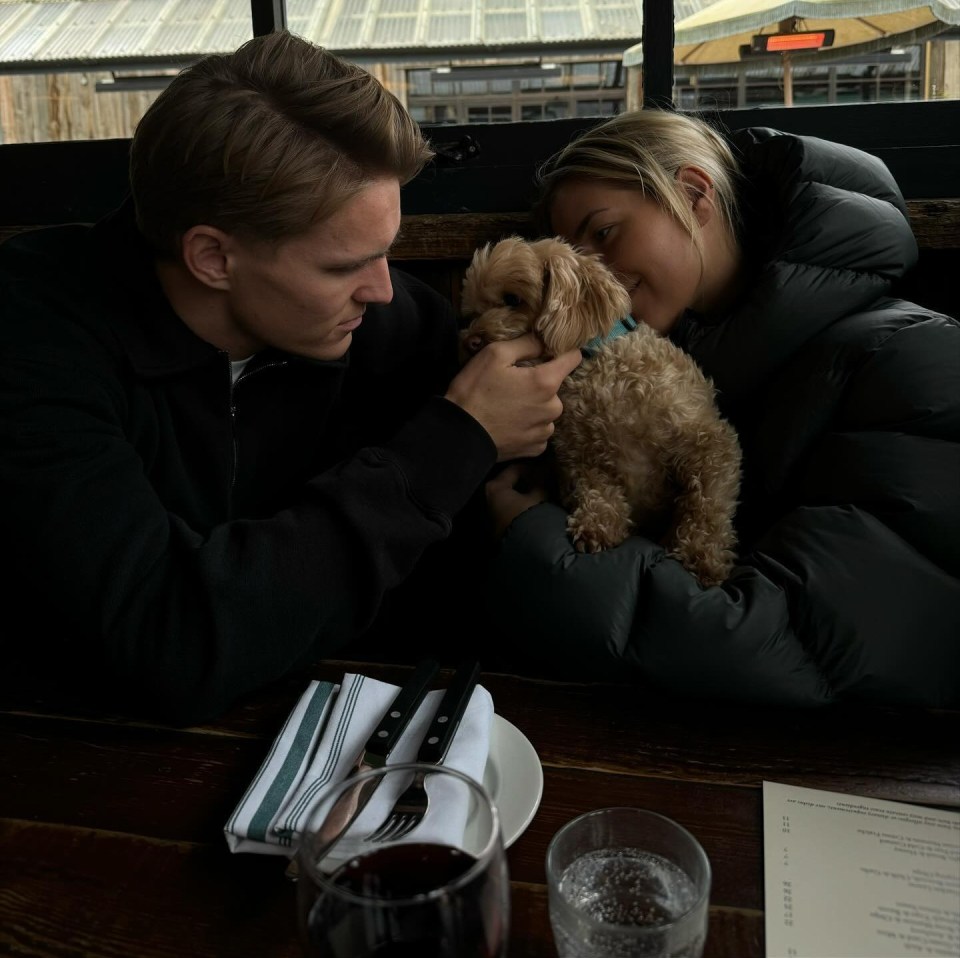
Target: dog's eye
x=511, y=299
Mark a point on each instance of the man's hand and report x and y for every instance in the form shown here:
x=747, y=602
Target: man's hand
x=517, y=405
x=515, y=489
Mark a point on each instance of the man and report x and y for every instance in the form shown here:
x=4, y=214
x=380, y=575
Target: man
x=229, y=429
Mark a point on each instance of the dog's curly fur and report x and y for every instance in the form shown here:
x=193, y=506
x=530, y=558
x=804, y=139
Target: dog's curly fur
x=640, y=446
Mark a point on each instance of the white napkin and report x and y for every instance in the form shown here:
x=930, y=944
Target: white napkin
x=317, y=746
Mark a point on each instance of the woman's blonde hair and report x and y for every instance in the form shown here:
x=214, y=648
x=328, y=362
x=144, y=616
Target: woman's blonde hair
x=266, y=141
x=644, y=150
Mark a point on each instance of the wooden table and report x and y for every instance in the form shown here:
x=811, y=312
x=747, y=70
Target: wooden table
x=111, y=839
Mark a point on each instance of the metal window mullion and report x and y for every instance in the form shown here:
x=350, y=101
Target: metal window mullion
x=268, y=16
x=657, y=53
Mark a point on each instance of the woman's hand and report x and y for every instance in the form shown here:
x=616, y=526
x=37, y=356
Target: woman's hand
x=516, y=488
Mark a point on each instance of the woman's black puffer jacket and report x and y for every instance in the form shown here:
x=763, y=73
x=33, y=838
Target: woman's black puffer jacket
x=847, y=403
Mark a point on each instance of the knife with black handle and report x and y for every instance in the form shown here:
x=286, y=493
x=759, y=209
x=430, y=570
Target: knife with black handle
x=446, y=720
x=397, y=717
x=373, y=755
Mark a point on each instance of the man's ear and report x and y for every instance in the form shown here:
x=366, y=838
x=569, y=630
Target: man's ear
x=205, y=251
x=700, y=190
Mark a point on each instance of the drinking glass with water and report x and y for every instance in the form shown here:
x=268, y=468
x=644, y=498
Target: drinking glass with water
x=627, y=882
x=441, y=891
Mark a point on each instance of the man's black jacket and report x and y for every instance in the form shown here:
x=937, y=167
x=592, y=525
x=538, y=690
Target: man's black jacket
x=178, y=540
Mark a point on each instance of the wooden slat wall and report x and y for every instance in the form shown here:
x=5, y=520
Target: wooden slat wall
x=449, y=236
x=454, y=236
x=437, y=248
x=65, y=106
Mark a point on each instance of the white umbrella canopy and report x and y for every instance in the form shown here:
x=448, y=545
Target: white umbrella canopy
x=716, y=33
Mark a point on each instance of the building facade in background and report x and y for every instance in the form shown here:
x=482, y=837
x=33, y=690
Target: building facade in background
x=88, y=69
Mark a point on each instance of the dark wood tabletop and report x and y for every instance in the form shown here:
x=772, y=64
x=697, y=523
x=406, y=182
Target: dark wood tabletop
x=111, y=830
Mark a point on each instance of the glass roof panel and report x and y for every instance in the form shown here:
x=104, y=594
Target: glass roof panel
x=399, y=6
x=498, y=27
x=394, y=31
x=561, y=24
x=347, y=32
x=449, y=6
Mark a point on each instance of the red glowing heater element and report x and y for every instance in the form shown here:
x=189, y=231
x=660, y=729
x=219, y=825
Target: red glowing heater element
x=785, y=42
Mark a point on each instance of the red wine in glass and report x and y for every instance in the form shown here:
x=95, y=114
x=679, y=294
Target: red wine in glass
x=405, y=901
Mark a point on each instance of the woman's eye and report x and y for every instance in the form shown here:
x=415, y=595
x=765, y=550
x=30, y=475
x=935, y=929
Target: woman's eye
x=511, y=299
x=601, y=234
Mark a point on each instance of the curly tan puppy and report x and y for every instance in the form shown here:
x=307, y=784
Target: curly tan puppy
x=640, y=446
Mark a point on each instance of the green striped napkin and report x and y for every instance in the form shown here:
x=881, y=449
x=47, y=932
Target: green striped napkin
x=316, y=749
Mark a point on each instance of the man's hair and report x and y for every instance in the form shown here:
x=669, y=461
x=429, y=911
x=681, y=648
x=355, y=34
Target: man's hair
x=264, y=142
x=644, y=150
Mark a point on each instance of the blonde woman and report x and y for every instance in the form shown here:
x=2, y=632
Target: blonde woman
x=771, y=259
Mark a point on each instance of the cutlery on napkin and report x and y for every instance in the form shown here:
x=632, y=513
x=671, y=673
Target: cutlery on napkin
x=318, y=747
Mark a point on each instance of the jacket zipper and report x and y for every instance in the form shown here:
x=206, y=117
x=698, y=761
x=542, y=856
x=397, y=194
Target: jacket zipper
x=235, y=465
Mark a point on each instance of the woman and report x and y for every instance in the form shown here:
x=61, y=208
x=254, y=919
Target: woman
x=770, y=258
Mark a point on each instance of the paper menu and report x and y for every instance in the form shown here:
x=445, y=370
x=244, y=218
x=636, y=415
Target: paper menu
x=853, y=877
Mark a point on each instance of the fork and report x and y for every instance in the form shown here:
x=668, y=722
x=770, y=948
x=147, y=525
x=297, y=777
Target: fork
x=411, y=806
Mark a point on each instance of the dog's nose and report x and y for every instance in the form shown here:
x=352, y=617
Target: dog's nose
x=473, y=344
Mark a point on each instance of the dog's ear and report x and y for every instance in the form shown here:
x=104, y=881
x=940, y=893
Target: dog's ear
x=470, y=291
x=582, y=298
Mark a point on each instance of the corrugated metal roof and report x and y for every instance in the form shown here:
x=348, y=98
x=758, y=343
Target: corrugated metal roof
x=117, y=31
x=23, y=29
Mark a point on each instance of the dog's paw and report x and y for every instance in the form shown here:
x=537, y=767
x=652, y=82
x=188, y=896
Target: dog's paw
x=586, y=545
x=589, y=538
x=598, y=522
x=710, y=569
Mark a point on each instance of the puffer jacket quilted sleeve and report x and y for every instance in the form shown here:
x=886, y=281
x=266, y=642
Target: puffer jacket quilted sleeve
x=847, y=403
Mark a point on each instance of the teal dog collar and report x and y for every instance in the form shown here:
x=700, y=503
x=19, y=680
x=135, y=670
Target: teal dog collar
x=623, y=326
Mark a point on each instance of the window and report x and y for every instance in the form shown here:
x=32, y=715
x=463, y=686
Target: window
x=521, y=90
x=74, y=70
x=861, y=53
x=493, y=130
x=898, y=74
x=82, y=69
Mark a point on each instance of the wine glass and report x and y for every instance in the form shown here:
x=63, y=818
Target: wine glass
x=441, y=891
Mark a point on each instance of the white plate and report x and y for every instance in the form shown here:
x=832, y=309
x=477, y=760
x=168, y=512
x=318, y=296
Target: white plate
x=513, y=777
